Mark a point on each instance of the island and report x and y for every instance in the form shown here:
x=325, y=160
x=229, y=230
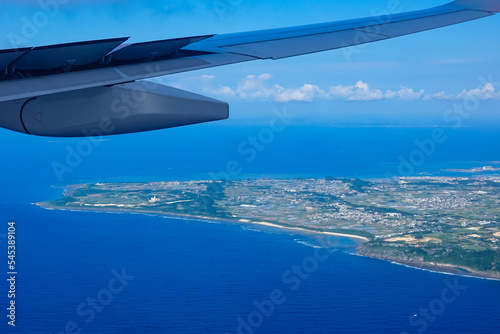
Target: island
x=483, y=169
x=449, y=224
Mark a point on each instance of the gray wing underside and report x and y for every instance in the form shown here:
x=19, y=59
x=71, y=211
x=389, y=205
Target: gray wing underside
x=38, y=71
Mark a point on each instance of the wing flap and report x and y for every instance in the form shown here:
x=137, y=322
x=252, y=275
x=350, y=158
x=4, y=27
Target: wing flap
x=8, y=57
x=150, y=51
x=64, y=56
x=51, y=84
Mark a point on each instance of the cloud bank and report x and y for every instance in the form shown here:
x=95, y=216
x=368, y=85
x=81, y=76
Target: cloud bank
x=260, y=87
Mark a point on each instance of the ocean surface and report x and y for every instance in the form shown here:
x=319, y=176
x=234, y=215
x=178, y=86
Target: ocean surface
x=83, y=272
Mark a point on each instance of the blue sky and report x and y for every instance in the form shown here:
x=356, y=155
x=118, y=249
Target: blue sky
x=414, y=72
x=411, y=81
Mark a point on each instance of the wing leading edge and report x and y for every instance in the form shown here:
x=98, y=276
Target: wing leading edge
x=33, y=72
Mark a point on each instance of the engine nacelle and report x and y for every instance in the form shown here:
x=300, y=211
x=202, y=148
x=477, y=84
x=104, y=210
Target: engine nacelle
x=126, y=108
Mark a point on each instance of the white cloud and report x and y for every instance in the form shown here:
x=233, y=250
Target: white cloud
x=486, y=93
x=407, y=94
x=359, y=92
x=255, y=87
x=225, y=90
x=306, y=93
x=261, y=87
x=438, y=96
x=265, y=76
x=207, y=77
x=258, y=87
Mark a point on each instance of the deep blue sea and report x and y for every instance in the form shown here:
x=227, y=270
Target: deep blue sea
x=82, y=272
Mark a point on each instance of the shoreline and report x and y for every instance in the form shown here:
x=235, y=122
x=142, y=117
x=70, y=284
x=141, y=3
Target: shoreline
x=45, y=205
x=441, y=268
x=351, y=236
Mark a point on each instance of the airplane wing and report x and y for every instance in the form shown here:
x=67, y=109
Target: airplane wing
x=68, y=89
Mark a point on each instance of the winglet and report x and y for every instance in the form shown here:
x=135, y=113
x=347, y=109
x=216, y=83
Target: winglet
x=485, y=5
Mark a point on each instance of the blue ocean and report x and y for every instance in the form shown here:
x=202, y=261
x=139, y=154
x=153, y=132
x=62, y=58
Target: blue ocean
x=83, y=272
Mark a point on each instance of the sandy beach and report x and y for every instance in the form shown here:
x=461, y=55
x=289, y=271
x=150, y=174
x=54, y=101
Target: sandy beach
x=310, y=231
x=46, y=205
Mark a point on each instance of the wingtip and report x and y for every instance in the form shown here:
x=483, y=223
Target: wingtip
x=485, y=5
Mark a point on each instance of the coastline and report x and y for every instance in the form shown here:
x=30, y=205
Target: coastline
x=351, y=236
x=442, y=268
x=45, y=205
x=433, y=267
